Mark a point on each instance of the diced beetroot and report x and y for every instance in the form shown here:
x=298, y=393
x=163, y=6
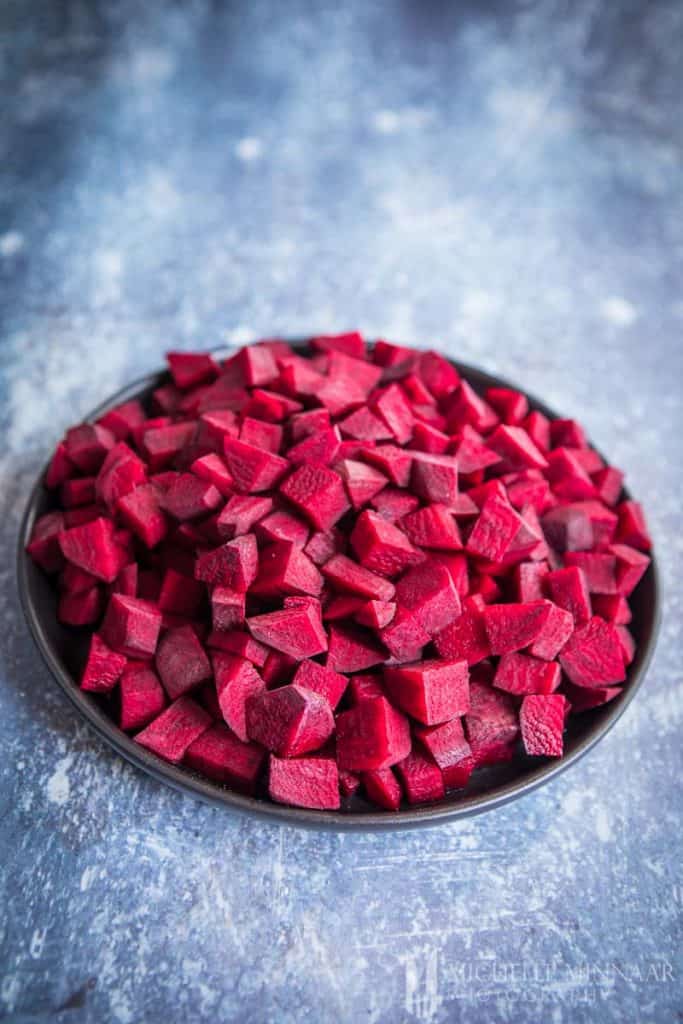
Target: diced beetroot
x=364, y=686
x=171, y=733
x=215, y=426
x=180, y=594
x=231, y=565
x=295, y=631
x=519, y=674
x=191, y=368
x=556, y=630
x=228, y=608
x=465, y=406
x=599, y=568
x=142, y=697
x=161, y=445
x=213, y=470
x=181, y=661
x=612, y=608
x=428, y=592
x=512, y=406
x=583, y=698
x=220, y=755
x=465, y=638
x=318, y=493
x=352, y=649
x=510, y=627
x=351, y=343
x=93, y=547
x=44, y=546
x=75, y=580
x=567, y=432
x=627, y=643
x=78, y=491
x=568, y=477
x=495, y=529
x=240, y=643
x=236, y=682
x=349, y=783
x=568, y=528
x=141, y=511
x=433, y=527
x=121, y=472
x=593, y=655
x=491, y=724
x=381, y=546
x=421, y=777
x=568, y=589
x=289, y=721
x=392, y=406
x=376, y=614
x=371, y=736
x=305, y=782
x=404, y=637
x=528, y=579
x=383, y=788
x=322, y=546
x=122, y=419
x=189, y=497
x=431, y=691
x=103, y=667
x=516, y=448
x=282, y=525
x=393, y=504
x=81, y=609
x=632, y=529
x=342, y=606
x=60, y=468
x=362, y=482
x=251, y=468
x=324, y=681
x=427, y=438
x=87, y=446
x=257, y=365
x=131, y=626
x=312, y=421
x=450, y=750
x=541, y=720
x=472, y=454
x=395, y=463
x=608, y=483
x=241, y=513
x=630, y=566
x=345, y=574
x=435, y=477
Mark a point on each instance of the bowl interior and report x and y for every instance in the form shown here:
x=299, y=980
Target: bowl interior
x=65, y=650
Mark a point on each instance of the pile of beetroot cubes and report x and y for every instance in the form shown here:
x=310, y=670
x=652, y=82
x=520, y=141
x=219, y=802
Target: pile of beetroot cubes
x=314, y=571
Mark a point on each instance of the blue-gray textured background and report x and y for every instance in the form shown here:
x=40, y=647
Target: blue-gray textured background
x=499, y=180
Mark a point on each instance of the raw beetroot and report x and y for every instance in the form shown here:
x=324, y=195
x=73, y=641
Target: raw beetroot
x=315, y=576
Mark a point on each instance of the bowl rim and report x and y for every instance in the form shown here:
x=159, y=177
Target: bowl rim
x=211, y=792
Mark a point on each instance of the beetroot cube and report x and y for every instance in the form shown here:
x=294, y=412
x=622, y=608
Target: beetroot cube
x=351, y=343
x=421, y=777
x=260, y=434
x=383, y=788
x=321, y=448
x=289, y=721
x=142, y=513
x=435, y=477
x=364, y=686
x=393, y=504
x=282, y=526
x=75, y=580
x=318, y=493
x=495, y=530
x=556, y=630
x=395, y=463
x=220, y=755
x=627, y=643
x=239, y=643
x=404, y=636
x=613, y=608
x=528, y=578
x=491, y=724
x=599, y=569
x=381, y=546
x=285, y=569
x=160, y=445
x=593, y=655
x=568, y=528
x=352, y=649
x=465, y=638
x=189, y=497
x=216, y=425
x=584, y=698
x=213, y=470
x=465, y=406
x=251, y=468
x=431, y=691
x=516, y=448
x=44, y=546
x=324, y=681
x=131, y=626
x=541, y=720
x=180, y=595
x=472, y=454
x=305, y=782
x=60, y=468
x=142, y=697
x=371, y=736
x=632, y=528
x=512, y=406
x=520, y=674
x=427, y=438
x=363, y=424
x=568, y=589
x=608, y=483
x=349, y=782
x=362, y=482
x=256, y=365
x=236, y=682
x=93, y=547
x=79, y=491
x=450, y=750
x=510, y=627
x=345, y=574
x=629, y=568
x=103, y=667
x=171, y=733
x=231, y=565
x=191, y=368
x=391, y=405
x=294, y=631
x=428, y=592
x=376, y=614
x=322, y=546
x=342, y=606
x=568, y=477
x=80, y=609
x=433, y=527
x=241, y=513
x=181, y=661
x=227, y=608
x=121, y=472
x=87, y=446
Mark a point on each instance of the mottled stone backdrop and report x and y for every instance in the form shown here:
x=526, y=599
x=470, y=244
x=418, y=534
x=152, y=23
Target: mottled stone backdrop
x=502, y=180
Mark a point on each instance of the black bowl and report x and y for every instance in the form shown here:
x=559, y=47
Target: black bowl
x=64, y=651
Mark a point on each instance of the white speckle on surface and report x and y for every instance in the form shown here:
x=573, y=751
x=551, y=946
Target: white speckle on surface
x=11, y=243
x=386, y=122
x=512, y=105
x=151, y=65
x=603, y=827
x=249, y=149
x=618, y=312
x=58, y=787
x=87, y=878
x=479, y=304
x=37, y=943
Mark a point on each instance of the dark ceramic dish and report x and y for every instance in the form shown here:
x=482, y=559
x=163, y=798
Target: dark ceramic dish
x=64, y=651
